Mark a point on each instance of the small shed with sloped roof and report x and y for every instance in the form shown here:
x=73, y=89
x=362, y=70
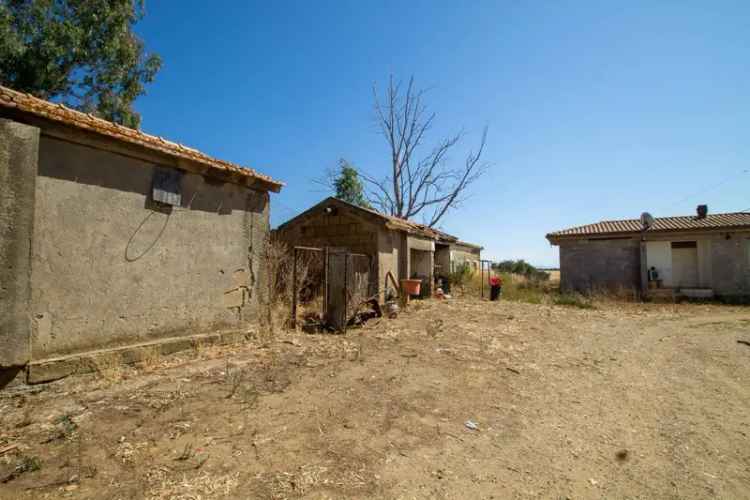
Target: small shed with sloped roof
x=405, y=248
x=110, y=236
x=698, y=255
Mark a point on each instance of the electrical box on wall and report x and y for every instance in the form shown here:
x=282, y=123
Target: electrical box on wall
x=166, y=186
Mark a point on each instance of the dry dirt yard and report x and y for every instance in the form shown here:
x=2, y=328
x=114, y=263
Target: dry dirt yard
x=624, y=401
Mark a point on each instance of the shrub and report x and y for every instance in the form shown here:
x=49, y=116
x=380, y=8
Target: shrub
x=521, y=268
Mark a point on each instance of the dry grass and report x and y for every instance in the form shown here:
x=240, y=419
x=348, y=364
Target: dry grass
x=561, y=396
x=519, y=288
x=108, y=367
x=163, y=486
x=279, y=261
x=151, y=359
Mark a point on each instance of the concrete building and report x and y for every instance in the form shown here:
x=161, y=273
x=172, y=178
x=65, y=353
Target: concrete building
x=405, y=248
x=451, y=255
x=701, y=255
x=109, y=236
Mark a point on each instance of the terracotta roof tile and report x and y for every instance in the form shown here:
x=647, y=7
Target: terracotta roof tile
x=60, y=113
x=733, y=220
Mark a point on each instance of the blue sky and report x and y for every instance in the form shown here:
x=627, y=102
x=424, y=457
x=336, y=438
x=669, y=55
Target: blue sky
x=596, y=110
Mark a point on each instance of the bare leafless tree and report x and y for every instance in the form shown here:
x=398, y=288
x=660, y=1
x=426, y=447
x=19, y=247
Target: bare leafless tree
x=418, y=185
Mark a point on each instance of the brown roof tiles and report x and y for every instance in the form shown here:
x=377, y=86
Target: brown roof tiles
x=59, y=113
x=736, y=220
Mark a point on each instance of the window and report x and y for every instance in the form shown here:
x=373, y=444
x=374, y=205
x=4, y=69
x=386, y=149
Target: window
x=684, y=244
x=166, y=186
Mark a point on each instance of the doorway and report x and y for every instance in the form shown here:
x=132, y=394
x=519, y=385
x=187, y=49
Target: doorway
x=684, y=264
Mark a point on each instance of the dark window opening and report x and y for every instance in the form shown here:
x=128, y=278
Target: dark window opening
x=166, y=186
x=684, y=244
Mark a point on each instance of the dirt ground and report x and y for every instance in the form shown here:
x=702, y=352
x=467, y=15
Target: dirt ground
x=623, y=401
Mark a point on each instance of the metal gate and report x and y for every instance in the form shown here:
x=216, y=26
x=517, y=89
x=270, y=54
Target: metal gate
x=348, y=281
x=349, y=285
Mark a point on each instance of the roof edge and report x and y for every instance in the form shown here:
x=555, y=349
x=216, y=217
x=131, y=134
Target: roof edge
x=27, y=105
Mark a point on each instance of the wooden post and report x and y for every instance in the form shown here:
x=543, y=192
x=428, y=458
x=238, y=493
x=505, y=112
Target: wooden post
x=294, y=290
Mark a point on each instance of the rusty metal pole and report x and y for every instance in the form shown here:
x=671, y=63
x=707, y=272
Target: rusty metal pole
x=325, y=284
x=294, y=290
x=481, y=276
x=346, y=289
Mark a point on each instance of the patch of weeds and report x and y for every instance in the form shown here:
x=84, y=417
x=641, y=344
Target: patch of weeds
x=28, y=464
x=24, y=465
x=573, y=300
x=66, y=430
x=67, y=424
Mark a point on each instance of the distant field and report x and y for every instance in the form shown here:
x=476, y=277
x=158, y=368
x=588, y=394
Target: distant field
x=554, y=275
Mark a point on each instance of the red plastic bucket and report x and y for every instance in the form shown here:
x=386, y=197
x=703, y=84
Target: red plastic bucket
x=411, y=287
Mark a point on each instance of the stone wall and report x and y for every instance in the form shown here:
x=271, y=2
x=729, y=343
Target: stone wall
x=600, y=264
x=110, y=267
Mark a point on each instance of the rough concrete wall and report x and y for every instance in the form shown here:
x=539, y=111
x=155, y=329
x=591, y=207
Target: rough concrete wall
x=729, y=267
x=705, y=275
x=464, y=255
x=421, y=261
x=18, y=165
x=599, y=264
x=107, y=269
x=389, y=259
x=443, y=259
x=659, y=256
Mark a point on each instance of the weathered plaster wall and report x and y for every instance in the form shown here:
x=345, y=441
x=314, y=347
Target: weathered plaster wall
x=421, y=261
x=107, y=269
x=599, y=264
x=443, y=259
x=705, y=266
x=659, y=255
x=462, y=254
x=389, y=258
x=729, y=266
x=18, y=165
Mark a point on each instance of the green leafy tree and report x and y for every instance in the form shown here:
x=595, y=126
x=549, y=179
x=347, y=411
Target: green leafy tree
x=82, y=53
x=347, y=185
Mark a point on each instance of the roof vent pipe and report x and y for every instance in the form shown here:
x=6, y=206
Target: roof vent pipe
x=701, y=211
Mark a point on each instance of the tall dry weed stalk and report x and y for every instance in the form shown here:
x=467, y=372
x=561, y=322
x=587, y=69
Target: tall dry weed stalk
x=278, y=257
